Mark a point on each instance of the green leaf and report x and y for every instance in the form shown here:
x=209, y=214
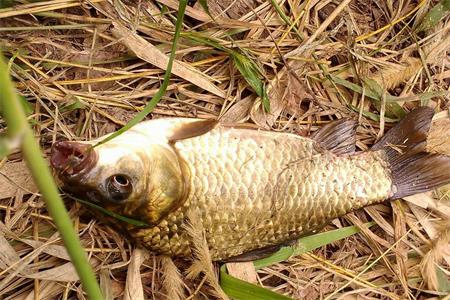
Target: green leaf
x=443, y=282
x=207, y=40
x=250, y=71
x=27, y=107
x=392, y=109
x=352, y=86
x=374, y=92
x=247, y=67
x=435, y=14
x=284, y=17
x=423, y=97
x=372, y=116
x=308, y=243
x=4, y=148
x=242, y=290
x=73, y=105
x=204, y=5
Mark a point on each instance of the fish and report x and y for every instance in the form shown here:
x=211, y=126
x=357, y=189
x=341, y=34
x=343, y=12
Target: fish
x=253, y=190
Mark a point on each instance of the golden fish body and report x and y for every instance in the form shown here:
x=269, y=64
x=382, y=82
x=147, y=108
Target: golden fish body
x=255, y=189
x=251, y=189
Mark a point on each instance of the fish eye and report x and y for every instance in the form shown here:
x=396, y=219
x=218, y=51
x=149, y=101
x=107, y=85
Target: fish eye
x=119, y=187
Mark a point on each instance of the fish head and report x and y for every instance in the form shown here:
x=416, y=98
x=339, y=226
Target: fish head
x=130, y=175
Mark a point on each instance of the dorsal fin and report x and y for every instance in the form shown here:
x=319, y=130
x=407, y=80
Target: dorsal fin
x=188, y=130
x=338, y=137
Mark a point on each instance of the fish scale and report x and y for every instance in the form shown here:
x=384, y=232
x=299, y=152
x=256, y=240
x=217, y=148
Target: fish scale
x=256, y=190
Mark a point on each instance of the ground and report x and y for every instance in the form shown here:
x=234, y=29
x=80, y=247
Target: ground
x=85, y=68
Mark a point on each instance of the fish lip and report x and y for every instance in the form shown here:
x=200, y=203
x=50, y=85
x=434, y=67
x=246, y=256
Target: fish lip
x=72, y=160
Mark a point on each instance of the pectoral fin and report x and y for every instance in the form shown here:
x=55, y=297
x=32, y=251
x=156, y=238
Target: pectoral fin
x=189, y=130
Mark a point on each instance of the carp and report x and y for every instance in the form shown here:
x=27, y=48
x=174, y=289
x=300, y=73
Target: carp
x=254, y=190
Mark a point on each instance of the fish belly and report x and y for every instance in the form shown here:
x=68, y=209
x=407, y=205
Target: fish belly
x=257, y=189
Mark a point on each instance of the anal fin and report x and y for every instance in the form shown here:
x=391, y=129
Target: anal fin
x=338, y=137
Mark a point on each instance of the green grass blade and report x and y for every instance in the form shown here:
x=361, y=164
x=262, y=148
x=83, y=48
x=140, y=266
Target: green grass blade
x=73, y=105
x=111, y=213
x=4, y=146
x=284, y=17
x=308, y=243
x=202, y=39
x=435, y=14
x=239, y=289
x=423, y=97
x=374, y=92
x=157, y=97
x=204, y=5
x=280, y=12
x=14, y=115
x=242, y=290
x=27, y=107
x=372, y=116
x=250, y=71
x=352, y=86
x=393, y=109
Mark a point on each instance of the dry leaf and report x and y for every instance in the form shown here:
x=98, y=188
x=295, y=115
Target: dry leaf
x=47, y=290
x=190, y=11
x=401, y=249
x=285, y=94
x=63, y=273
x=16, y=269
x=8, y=255
x=243, y=270
x=149, y=53
x=238, y=112
x=439, y=251
x=14, y=177
x=423, y=217
x=425, y=200
x=235, y=9
x=438, y=140
x=53, y=250
x=133, y=287
x=105, y=284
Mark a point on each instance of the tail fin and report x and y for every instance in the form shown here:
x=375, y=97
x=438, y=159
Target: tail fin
x=413, y=170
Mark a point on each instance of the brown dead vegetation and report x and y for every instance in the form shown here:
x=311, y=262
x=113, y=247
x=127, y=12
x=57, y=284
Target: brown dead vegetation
x=86, y=67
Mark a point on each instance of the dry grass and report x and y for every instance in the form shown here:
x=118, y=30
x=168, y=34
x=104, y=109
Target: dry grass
x=87, y=67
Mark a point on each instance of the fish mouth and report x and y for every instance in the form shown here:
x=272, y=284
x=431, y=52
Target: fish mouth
x=71, y=160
